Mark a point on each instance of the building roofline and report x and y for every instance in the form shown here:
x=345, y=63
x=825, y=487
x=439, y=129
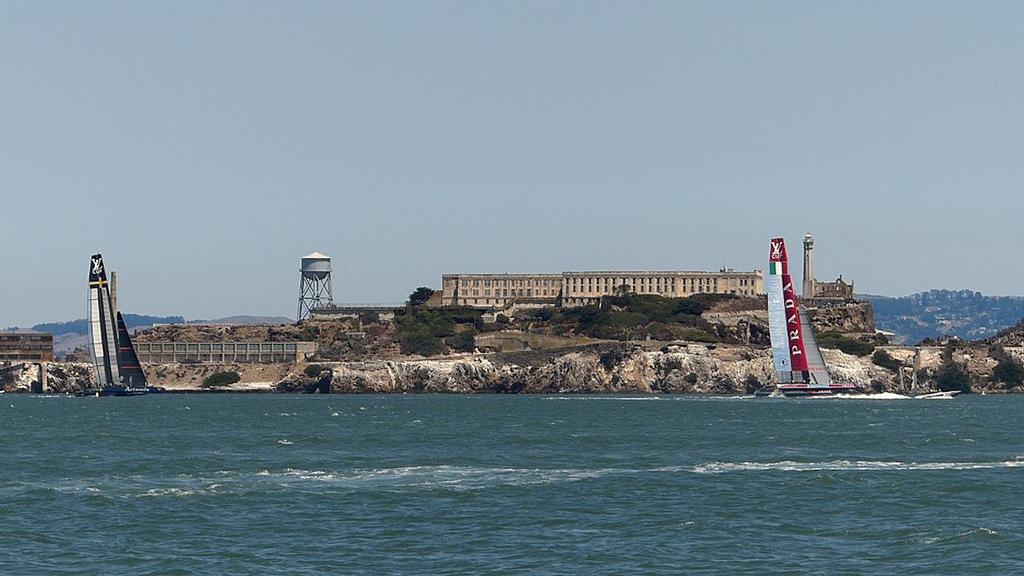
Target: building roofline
x=605, y=272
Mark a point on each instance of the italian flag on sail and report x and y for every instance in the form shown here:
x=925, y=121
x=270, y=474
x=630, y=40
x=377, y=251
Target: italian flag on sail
x=775, y=268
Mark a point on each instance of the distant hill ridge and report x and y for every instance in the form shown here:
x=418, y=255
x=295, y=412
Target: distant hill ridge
x=965, y=314
x=81, y=326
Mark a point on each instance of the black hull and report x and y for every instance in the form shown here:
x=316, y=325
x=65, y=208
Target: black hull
x=122, y=391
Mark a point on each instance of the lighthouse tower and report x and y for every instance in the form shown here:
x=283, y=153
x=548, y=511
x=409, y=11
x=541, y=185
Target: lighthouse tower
x=808, y=267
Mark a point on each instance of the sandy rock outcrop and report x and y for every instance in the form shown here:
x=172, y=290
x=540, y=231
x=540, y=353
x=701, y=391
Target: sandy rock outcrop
x=70, y=377
x=61, y=378
x=693, y=369
x=846, y=317
x=384, y=377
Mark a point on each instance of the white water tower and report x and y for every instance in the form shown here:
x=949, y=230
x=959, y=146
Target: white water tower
x=315, y=284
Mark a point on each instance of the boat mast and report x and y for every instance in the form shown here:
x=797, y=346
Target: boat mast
x=101, y=325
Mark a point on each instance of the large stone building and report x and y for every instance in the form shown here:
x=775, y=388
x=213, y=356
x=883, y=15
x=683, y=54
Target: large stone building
x=26, y=347
x=583, y=288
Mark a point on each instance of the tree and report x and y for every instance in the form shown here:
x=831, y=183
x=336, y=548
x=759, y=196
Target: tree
x=221, y=379
x=420, y=296
x=420, y=342
x=1009, y=371
x=951, y=375
x=463, y=341
x=885, y=360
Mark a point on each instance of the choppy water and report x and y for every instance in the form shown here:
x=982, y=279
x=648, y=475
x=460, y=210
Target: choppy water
x=497, y=485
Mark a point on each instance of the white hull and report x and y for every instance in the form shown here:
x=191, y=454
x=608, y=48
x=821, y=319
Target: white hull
x=938, y=395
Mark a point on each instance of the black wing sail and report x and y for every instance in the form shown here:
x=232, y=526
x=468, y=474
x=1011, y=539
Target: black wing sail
x=101, y=325
x=131, y=371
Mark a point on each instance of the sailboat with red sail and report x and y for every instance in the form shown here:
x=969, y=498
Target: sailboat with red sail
x=799, y=366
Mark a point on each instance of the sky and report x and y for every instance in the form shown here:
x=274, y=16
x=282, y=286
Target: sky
x=205, y=147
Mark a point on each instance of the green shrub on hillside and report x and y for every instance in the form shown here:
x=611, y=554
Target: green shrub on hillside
x=221, y=379
x=544, y=314
x=846, y=344
x=633, y=316
x=420, y=330
x=313, y=370
x=1008, y=371
x=885, y=360
x=463, y=341
x=697, y=335
x=420, y=341
x=951, y=375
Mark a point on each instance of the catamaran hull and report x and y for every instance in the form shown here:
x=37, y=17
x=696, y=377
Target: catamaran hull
x=122, y=391
x=803, y=390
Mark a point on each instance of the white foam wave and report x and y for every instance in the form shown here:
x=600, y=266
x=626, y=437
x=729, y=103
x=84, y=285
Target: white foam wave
x=454, y=477
x=176, y=492
x=878, y=396
x=606, y=398
x=849, y=465
x=981, y=531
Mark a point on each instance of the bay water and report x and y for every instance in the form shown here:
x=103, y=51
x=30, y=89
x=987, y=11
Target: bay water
x=425, y=484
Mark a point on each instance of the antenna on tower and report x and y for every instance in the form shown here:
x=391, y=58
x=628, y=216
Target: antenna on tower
x=315, y=284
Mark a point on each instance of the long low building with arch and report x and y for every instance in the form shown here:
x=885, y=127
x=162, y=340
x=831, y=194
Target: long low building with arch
x=585, y=288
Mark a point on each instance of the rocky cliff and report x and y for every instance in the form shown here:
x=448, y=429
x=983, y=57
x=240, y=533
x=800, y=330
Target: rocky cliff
x=693, y=369
x=61, y=378
x=696, y=368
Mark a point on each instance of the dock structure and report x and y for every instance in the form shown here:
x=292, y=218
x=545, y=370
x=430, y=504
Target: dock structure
x=224, y=352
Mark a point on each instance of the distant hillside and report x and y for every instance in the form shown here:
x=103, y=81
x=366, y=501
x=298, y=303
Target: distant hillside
x=245, y=320
x=81, y=326
x=962, y=313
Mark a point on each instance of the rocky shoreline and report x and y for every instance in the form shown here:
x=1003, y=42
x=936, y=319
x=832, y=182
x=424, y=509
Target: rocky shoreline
x=689, y=369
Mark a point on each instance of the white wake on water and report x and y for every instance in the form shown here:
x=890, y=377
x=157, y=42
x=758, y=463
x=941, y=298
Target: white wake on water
x=458, y=478
x=607, y=398
x=849, y=465
x=878, y=396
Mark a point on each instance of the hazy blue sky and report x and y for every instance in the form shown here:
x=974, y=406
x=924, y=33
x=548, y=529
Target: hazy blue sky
x=205, y=147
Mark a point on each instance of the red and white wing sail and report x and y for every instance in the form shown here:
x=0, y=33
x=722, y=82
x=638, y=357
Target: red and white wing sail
x=784, y=327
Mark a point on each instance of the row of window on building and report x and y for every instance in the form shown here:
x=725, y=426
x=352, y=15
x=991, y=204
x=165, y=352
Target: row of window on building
x=574, y=289
x=26, y=347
